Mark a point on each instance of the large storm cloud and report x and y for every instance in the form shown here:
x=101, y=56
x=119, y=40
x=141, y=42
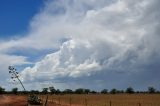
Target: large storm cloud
x=96, y=42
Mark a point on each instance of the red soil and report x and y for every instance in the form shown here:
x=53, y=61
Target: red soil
x=21, y=100
x=13, y=100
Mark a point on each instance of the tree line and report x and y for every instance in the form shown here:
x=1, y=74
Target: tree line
x=52, y=90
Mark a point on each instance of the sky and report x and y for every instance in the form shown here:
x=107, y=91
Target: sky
x=16, y=15
x=69, y=44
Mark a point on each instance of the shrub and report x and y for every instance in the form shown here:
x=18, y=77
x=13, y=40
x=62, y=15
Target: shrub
x=2, y=90
x=15, y=90
x=130, y=90
x=151, y=90
x=113, y=91
x=104, y=91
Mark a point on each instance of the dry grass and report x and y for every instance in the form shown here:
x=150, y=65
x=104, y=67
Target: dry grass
x=87, y=100
x=104, y=100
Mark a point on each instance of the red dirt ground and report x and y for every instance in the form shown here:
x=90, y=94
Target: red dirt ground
x=13, y=100
x=21, y=100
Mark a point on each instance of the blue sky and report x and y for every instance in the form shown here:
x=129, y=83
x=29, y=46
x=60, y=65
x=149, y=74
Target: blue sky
x=16, y=15
x=75, y=44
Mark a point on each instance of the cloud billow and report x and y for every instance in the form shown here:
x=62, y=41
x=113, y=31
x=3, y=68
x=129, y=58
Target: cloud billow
x=104, y=38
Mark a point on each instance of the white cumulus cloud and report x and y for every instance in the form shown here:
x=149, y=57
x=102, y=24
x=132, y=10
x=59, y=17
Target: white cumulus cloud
x=92, y=37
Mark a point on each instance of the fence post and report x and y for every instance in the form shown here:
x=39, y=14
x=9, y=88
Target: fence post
x=41, y=97
x=70, y=101
x=52, y=98
x=110, y=103
x=86, y=103
x=46, y=101
x=139, y=104
x=59, y=100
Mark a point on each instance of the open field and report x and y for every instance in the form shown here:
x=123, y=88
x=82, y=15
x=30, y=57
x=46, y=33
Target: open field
x=106, y=100
x=87, y=100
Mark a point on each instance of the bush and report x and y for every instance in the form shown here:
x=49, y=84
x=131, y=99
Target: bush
x=113, y=91
x=15, y=90
x=151, y=90
x=67, y=91
x=79, y=91
x=104, y=91
x=130, y=90
x=45, y=90
x=34, y=100
x=52, y=90
x=2, y=90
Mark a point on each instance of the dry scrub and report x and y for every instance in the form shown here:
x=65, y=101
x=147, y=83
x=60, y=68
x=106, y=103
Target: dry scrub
x=106, y=100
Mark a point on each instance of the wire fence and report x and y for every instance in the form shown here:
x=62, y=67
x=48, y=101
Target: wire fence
x=70, y=101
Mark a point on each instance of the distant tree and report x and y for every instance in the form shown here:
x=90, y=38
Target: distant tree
x=129, y=90
x=158, y=92
x=86, y=91
x=120, y=91
x=151, y=90
x=24, y=92
x=57, y=91
x=45, y=90
x=15, y=90
x=113, y=91
x=93, y=92
x=34, y=91
x=52, y=90
x=67, y=91
x=104, y=91
x=2, y=90
x=79, y=91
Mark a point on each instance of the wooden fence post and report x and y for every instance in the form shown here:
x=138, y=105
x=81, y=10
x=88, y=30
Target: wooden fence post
x=70, y=101
x=86, y=103
x=110, y=103
x=139, y=104
x=46, y=101
x=59, y=100
x=52, y=98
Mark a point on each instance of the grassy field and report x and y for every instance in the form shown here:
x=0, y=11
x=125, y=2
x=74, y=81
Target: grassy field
x=87, y=100
x=105, y=100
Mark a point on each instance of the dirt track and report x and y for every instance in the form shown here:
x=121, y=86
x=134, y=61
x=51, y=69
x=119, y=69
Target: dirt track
x=13, y=100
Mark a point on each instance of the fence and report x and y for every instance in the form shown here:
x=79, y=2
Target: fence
x=71, y=101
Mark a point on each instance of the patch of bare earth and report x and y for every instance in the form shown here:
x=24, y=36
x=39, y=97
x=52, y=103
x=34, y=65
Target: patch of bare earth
x=13, y=100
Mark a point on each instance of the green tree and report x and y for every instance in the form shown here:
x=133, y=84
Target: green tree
x=86, y=91
x=79, y=91
x=113, y=91
x=45, y=90
x=104, y=91
x=52, y=90
x=129, y=90
x=34, y=91
x=151, y=90
x=68, y=91
x=2, y=90
x=57, y=91
x=120, y=91
x=15, y=90
x=93, y=92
